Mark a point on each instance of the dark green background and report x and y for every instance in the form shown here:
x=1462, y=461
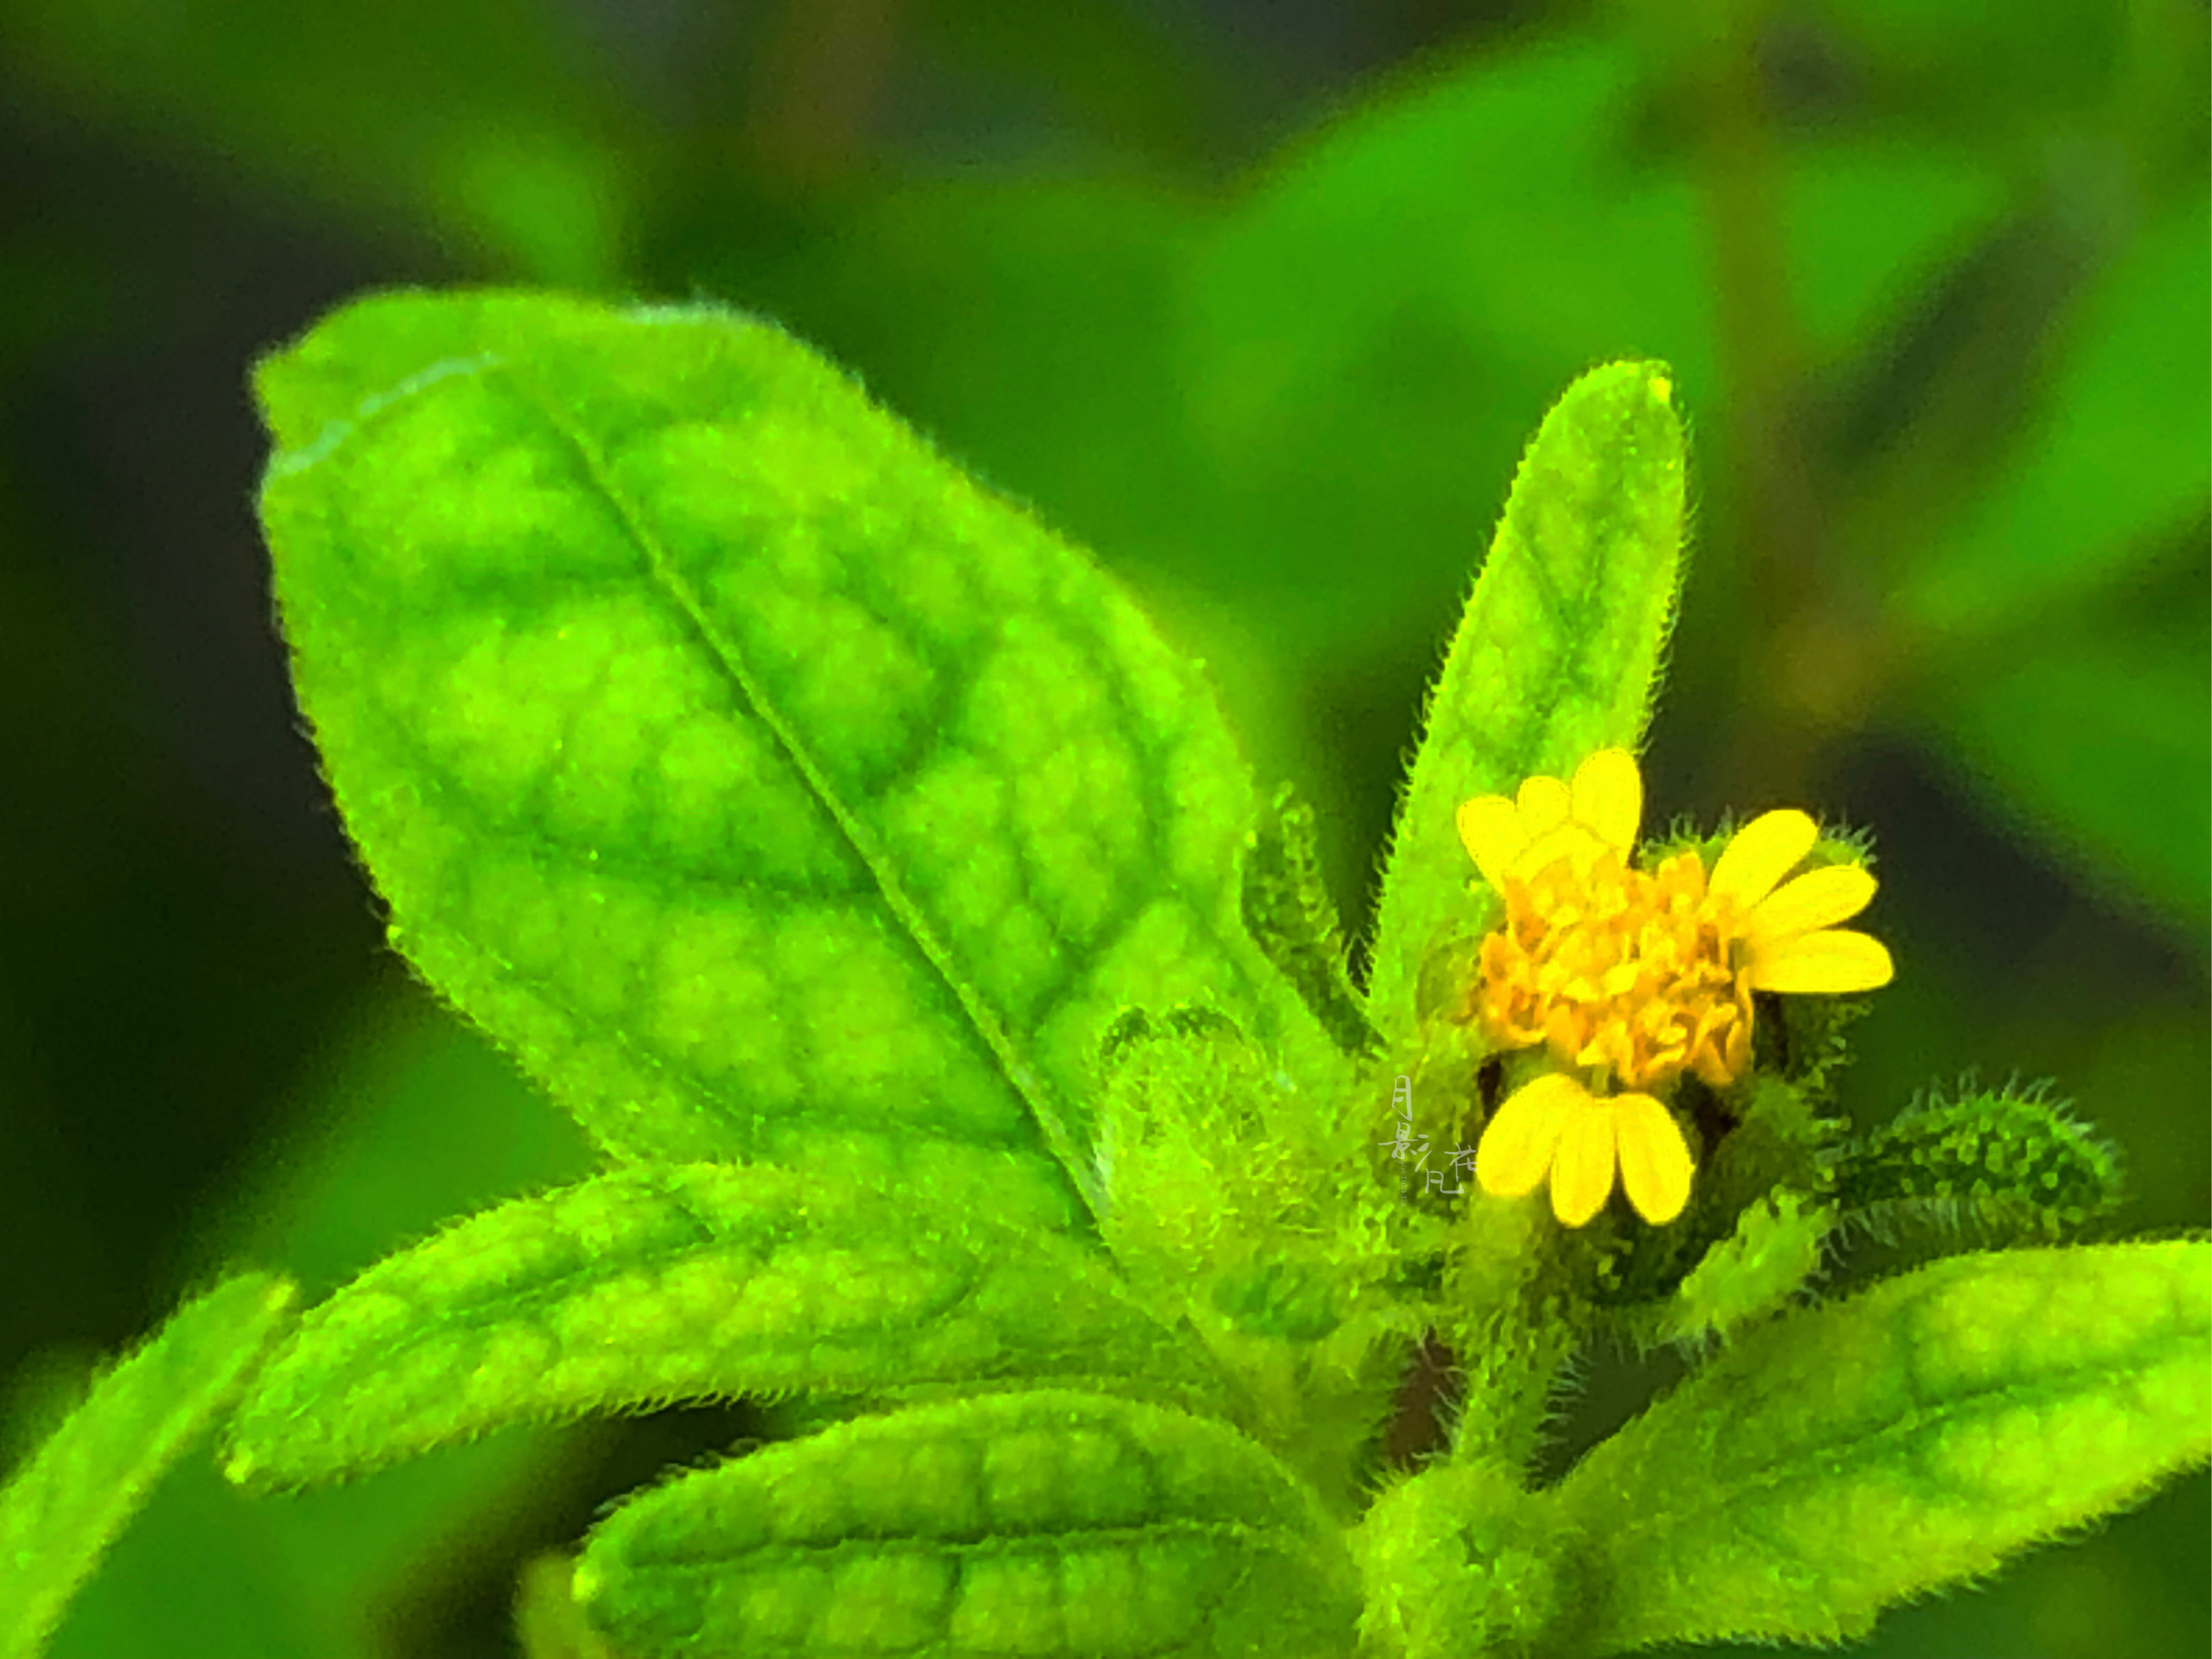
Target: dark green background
x=1259, y=301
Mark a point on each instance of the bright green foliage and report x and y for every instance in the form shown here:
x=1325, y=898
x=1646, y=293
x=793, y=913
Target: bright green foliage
x=60, y=1509
x=740, y=765
x=1288, y=912
x=1775, y=1249
x=2009, y=1163
x=1559, y=653
x=1053, y=1524
x=1242, y=1213
x=979, y=1043
x=1832, y=1464
x=1935, y=291
x=1459, y=1559
x=695, y=1281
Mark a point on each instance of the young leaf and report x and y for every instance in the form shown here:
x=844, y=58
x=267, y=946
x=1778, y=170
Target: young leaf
x=1832, y=1464
x=723, y=751
x=65, y=1505
x=1460, y=1559
x=691, y=1282
x=1556, y=656
x=2009, y=1162
x=1753, y=1273
x=1288, y=912
x=1046, y=1525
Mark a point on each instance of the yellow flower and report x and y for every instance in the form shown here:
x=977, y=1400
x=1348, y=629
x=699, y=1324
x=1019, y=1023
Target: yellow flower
x=1633, y=976
x=1555, y=1125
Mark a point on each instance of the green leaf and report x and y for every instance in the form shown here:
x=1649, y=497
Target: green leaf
x=1834, y=1463
x=725, y=752
x=1290, y=917
x=64, y=1507
x=1752, y=1273
x=1246, y=1210
x=1354, y=450
x=1036, y=1526
x=1460, y=1559
x=1557, y=656
x=702, y=1281
x=2009, y=1162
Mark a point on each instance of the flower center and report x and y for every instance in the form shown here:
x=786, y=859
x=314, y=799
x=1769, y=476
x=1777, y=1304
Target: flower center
x=1631, y=973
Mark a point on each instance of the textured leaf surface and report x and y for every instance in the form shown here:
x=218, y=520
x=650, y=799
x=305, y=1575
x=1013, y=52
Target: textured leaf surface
x=1837, y=1462
x=722, y=749
x=2011, y=1163
x=64, y=1507
x=1460, y=1559
x=1290, y=916
x=643, y=1288
x=1044, y=1525
x=1557, y=652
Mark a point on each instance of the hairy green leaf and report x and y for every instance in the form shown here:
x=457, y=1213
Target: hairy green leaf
x=1462, y=1559
x=2011, y=1164
x=1245, y=1209
x=1753, y=1273
x=1046, y=1525
x=64, y=1506
x=1290, y=917
x=646, y=1286
x=1558, y=654
x=1834, y=1463
x=1356, y=447
x=722, y=749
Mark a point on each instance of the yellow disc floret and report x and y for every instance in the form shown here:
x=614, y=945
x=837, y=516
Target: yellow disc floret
x=1629, y=978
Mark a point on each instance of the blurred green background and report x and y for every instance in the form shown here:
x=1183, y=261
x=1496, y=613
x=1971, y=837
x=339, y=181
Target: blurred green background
x=1257, y=298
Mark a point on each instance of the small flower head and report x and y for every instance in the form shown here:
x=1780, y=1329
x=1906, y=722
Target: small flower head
x=1631, y=977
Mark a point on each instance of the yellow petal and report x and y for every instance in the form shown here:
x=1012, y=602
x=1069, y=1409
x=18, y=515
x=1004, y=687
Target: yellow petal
x=1545, y=804
x=1581, y=1167
x=1517, y=1145
x=1819, y=898
x=1833, y=961
x=1609, y=796
x=1565, y=838
x=1760, y=854
x=1654, y=1160
x=1490, y=829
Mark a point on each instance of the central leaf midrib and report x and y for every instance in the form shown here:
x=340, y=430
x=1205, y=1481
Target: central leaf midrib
x=1025, y=1079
